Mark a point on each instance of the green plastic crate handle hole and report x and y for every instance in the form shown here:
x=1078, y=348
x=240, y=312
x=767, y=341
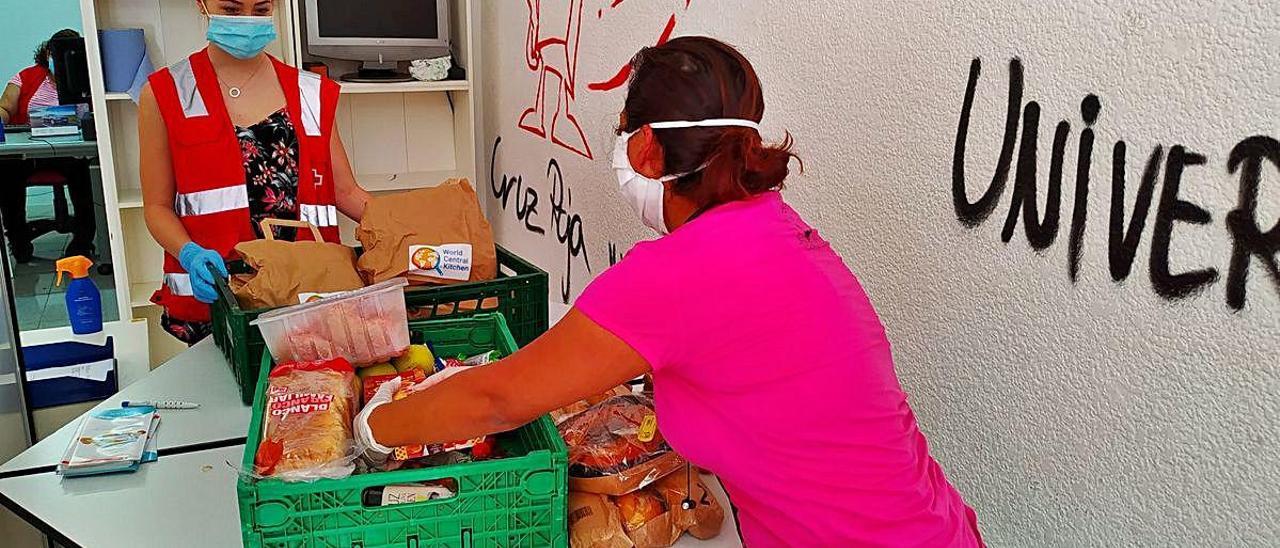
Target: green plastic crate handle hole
x=457, y=492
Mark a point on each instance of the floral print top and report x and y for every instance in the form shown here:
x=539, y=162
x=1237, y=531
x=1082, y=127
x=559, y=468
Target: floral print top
x=270, y=151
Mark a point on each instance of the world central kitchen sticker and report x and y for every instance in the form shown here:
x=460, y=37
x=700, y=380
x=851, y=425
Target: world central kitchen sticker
x=448, y=261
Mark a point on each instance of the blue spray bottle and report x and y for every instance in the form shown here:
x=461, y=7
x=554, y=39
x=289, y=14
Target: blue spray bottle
x=84, y=302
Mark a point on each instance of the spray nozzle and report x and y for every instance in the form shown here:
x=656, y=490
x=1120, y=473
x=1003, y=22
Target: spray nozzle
x=77, y=266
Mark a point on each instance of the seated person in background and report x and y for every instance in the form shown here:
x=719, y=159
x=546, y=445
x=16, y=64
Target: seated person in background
x=29, y=90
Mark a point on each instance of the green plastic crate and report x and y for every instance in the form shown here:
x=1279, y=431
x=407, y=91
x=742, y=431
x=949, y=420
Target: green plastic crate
x=517, y=501
x=519, y=293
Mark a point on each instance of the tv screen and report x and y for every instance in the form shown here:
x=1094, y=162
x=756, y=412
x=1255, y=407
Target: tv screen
x=377, y=18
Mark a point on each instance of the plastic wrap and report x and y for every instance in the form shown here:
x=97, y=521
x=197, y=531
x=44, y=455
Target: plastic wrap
x=571, y=410
x=307, y=432
x=638, y=508
x=366, y=326
x=613, y=436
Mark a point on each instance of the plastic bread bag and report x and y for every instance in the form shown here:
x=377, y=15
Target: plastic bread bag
x=615, y=447
x=658, y=515
x=569, y=411
x=307, y=421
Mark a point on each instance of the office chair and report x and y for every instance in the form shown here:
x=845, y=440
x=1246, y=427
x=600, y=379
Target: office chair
x=61, y=221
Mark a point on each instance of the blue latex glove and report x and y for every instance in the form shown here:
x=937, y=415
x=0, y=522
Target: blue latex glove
x=198, y=262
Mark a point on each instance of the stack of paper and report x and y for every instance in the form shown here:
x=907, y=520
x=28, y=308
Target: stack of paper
x=112, y=440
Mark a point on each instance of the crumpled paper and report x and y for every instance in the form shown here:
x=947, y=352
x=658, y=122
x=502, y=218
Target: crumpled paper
x=431, y=70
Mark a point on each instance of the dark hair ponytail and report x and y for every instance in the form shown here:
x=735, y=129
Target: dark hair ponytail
x=700, y=78
x=743, y=158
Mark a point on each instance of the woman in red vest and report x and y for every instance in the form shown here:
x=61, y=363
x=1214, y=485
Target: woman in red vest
x=230, y=136
x=29, y=90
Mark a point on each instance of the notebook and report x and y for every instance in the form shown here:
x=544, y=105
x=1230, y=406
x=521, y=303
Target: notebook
x=110, y=441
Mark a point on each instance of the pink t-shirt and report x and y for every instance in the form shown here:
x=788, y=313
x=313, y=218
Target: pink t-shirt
x=771, y=369
x=46, y=95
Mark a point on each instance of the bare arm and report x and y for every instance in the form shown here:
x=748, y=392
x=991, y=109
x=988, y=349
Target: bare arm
x=576, y=359
x=155, y=167
x=351, y=198
x=9, y=102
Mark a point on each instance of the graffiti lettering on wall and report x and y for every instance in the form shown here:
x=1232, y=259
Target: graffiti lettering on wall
x=552, y=54
x=1246, y=161
x=614, y=254
x=526, y=202
x=567, y=225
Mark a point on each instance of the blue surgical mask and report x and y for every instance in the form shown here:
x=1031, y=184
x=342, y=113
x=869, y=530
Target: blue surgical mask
x=242, y=36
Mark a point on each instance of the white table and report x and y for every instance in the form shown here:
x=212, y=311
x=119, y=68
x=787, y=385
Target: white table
x=188, y=500
x=23, y=145
x=187, y=497
x=199, y=375
x=180, y=500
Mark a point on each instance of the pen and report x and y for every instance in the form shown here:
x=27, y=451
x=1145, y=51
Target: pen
x=164, y=404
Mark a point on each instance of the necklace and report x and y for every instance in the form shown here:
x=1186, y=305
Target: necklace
x=234, y=91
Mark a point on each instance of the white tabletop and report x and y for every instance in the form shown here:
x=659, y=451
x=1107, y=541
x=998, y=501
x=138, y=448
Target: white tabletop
x=24, y=145
x=186, y=499
x=199, y=375
x=179, y=500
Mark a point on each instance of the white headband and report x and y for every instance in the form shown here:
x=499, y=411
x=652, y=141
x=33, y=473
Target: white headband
x=714, y=122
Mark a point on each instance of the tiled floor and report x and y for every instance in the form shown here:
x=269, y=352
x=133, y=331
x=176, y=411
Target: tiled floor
x=39, y=303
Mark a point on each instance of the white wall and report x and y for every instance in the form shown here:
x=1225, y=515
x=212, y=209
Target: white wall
x=1071, y=414
x=24, y=24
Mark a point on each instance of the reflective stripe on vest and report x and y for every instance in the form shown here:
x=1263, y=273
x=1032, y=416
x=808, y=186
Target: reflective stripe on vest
x=179, y=284
x=206, y=202
x=309, y=86
x=319, y=215
x=188, y=93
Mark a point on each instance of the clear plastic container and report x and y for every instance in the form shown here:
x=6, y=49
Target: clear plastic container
x=365, y=326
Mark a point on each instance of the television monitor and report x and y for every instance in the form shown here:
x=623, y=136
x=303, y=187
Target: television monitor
x=379, y=33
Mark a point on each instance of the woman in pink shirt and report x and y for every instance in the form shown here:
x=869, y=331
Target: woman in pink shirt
x=770, y=366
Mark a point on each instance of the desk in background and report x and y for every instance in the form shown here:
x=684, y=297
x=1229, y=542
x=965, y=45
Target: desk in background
x=23, y=145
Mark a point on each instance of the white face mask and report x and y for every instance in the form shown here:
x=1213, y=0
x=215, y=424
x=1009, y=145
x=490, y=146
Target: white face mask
x=645, y=194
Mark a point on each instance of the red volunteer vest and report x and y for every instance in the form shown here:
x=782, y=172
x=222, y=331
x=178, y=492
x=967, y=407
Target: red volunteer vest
x=32, y=78
x=212, y=199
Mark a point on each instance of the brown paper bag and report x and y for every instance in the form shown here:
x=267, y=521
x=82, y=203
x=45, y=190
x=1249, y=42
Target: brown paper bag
x=282, y=271
x=431, y=235
x=594, y=523
x=703, y=521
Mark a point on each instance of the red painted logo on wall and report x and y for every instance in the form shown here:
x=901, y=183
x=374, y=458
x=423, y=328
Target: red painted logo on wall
x=552, y=44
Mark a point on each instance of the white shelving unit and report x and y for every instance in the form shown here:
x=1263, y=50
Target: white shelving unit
x=407, y=87
x=398, y=136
